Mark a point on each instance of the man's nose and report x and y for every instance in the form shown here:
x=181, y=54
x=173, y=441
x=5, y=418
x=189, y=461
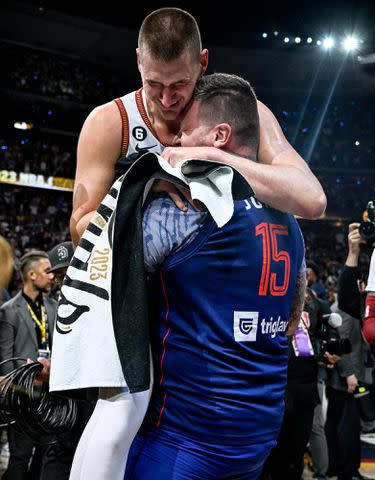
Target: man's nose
x=167, y=97
x=177, y=141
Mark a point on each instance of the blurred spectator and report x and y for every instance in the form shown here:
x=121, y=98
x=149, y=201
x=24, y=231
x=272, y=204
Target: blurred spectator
x=350, y=298
x=6, y=268
x=57, y=76
x=302, y=394
x=26, y=225
x=343, y=426
x=313, y=281
x=26, y=327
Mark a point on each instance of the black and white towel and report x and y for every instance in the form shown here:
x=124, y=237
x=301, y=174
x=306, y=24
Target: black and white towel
x=101, y=334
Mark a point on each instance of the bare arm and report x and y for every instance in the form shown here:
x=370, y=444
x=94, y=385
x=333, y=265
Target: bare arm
x=281, y=179
x=297, y=305
x=99, y=146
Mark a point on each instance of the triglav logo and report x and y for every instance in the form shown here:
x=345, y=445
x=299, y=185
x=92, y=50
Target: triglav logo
x=245, y=326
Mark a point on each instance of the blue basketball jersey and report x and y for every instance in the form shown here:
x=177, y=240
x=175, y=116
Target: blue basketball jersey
x=220, y=314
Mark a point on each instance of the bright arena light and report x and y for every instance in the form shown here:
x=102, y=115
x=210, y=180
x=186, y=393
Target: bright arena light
x=350, y=43
x=356, y=143
x=328, y=42
x=23, y=125
x=276, y=33
x=309, y=40
x=264, y=35
x=318, y=42
x=297, y=39
x=286, y=39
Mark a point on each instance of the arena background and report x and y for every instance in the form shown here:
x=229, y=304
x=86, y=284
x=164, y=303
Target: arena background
x=60, y=59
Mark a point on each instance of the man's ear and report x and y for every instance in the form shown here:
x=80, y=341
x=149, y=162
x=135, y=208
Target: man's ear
x=31, y=275
x=222, y=135
x=203, y=60
x=138, y=58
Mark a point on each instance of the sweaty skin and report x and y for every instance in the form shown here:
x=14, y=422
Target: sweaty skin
x=281, y=178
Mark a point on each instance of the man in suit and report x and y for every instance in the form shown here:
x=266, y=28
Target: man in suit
x=26, y=328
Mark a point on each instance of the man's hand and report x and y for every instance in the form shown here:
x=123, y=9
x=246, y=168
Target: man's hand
x=178, y=194
x=332, y=359
x=174, y=155
x=352, y=383
x=43, y=376
x=354, y=241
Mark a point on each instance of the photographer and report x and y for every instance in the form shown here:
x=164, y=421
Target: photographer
x=349, y=295
x=343, y=426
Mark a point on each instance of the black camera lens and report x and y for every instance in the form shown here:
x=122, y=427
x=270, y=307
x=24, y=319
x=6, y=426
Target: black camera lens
x=338, y=346
x=367, y=230
x=367, y=226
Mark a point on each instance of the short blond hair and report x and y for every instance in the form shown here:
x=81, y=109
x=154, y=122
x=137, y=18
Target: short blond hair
x=167, y=33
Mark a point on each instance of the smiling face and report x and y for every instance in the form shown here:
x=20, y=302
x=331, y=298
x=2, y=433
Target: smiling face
x=169, y=85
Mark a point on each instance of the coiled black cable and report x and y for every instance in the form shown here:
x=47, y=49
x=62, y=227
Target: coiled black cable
x=28, y=406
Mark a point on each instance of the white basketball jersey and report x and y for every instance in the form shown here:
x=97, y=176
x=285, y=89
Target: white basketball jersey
x=138, y=133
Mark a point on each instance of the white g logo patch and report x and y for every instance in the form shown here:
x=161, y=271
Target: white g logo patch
x=245, y=326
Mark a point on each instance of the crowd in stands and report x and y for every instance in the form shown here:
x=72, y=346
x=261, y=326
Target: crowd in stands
x=33, y=219
x=37, y=218
x=347, y=192
x=58, y=77
x=39, y=157
x=334, y=134
x=329, y=132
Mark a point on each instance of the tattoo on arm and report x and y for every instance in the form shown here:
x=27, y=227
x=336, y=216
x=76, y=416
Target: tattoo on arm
x=297, y=305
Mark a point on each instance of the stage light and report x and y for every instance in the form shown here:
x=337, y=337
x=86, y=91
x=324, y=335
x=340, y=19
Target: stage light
x=297, y=39
x=350, y=43
x=318, y=42
x=356, y=143
x=286, y=39
x=276, y=33
x=309, y=40
x=23, y=125
x=264, y=35
x=328, y=42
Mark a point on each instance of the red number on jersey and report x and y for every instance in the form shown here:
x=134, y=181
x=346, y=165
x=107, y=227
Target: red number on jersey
x=268, y=280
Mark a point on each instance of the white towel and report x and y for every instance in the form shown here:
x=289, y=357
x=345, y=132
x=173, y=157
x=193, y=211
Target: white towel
x=84, y=352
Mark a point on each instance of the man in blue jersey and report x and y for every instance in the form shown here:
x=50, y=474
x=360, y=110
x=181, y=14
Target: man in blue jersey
x=223, y=301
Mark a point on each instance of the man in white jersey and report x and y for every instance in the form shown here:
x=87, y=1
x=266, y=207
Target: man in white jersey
x=170, y=59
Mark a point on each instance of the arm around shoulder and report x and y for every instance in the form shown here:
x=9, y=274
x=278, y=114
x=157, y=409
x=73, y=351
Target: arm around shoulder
x=307, y=197
x=99, y=147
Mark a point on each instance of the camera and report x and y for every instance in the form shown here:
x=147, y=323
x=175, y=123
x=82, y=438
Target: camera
x=328, y=339
x=367, y=226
